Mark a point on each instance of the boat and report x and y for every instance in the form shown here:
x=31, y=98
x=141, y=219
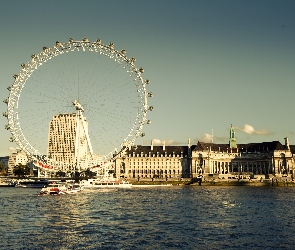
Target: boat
x=7, y=183
x=106, y=179
x=32, y=183
x=54, y=189
x=74, y=188
x=106, y=182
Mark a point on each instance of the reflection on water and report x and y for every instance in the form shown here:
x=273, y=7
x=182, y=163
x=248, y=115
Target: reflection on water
x=150, y=218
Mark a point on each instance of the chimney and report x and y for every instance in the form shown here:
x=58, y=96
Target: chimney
x=189, y=142
x=163, y=145
x=152, y=144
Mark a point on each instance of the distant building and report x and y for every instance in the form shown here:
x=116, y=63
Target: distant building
x=62, y=138
x=15, y=159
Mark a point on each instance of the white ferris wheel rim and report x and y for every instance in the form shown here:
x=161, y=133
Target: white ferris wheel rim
x=61, y=48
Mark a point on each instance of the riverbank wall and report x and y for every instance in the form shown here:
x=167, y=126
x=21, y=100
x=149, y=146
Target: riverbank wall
x=215, y=182
x=273, y=182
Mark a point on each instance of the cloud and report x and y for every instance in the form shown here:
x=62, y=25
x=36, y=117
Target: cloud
x=167, y=142
x=248, y=129
x=208, y=138
x=12, y=149
x=157, y=141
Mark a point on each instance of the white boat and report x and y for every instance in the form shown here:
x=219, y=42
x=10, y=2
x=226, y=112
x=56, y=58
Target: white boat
x=106, y=182
x=54, y=189
x=106, y=179
x=74, y=188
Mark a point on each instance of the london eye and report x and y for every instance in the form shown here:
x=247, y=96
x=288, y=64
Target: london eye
x=99, y=85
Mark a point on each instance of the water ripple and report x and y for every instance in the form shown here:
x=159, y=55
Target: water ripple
x=150, y=218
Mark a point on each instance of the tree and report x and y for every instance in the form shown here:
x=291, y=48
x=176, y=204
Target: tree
x=3, y=170
x=88, y=173
x=21, y=170
x=60, y=174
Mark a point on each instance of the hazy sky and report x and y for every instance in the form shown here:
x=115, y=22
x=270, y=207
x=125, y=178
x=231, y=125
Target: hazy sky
x=211, y=63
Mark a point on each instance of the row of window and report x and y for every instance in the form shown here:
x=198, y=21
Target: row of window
x=154, y=171
x=154, y=155
x=153, y=159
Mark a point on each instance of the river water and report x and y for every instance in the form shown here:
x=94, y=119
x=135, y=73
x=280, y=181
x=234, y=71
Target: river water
x=181, y=217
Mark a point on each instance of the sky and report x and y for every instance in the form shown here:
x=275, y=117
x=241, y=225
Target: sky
x=211, y=63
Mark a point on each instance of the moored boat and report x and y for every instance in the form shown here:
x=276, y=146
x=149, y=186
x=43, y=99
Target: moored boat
x=106, y=182
x=32, y=183
x=53, y=189
x=74, y=188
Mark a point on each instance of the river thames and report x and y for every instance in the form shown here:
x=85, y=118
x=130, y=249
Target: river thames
x=178, y=217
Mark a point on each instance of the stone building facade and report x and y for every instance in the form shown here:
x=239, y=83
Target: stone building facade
x=266, y=159
x=150, y=162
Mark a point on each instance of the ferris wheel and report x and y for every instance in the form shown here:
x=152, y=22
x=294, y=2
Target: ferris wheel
x=93, y=87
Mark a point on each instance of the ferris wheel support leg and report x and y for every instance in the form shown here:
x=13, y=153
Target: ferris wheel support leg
x=87, y=136
x=76, y=156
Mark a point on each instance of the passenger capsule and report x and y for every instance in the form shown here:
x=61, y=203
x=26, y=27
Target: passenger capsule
x=9, y=88
x=5, y=114
x=23, y=65
x=85, y=39
x=133, y=60
x=71, y=40
x=7, y=127
x=150, y=94
x=148, y=122
x=123, y=51
x=98, y=41
x=15, y=76
x=141, y=70
x=142, y=135
x=5, y=101
x=147, y=81
x=11, y=139
x=45, y=48
x=151, y=108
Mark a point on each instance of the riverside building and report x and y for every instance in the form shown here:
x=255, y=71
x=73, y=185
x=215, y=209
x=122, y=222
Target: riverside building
x=208, y=160
x=150, y=162
x=265, y=159
x=16, y=158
